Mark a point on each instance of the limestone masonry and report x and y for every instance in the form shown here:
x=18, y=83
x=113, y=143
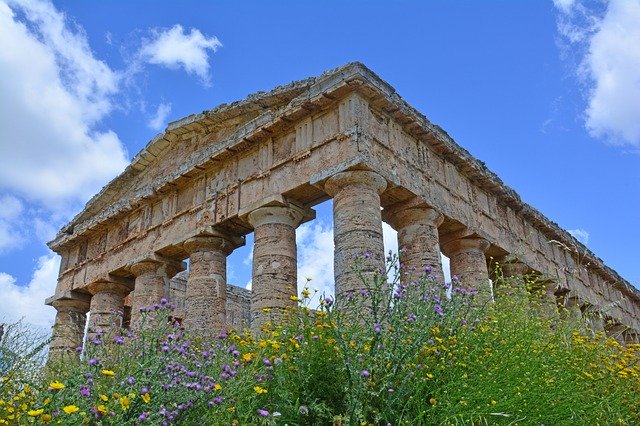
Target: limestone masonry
x=260, y=165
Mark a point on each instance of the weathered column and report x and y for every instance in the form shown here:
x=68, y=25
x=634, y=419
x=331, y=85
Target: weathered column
x=418, y=241
x=151, y=285
x=68, y=327
x=206, y=295
x=275, y=270
x=357, y=227
x=107, y=307
x=468, y=263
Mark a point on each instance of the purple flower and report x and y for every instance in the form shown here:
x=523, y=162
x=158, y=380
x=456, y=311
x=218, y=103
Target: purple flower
x=412, y=318
x=163, y=301
x=266, y=361
x=143, y=417
x=428, y=268
x=438, y=309
x=328, y=301
x=455, y=278
x=303, y=410
x=93, y=362
x=377, y=328
x=263, y=413
x=85, y=391
x=119, y=340
x=131, y=380
x=364, y=373
x=390, y=390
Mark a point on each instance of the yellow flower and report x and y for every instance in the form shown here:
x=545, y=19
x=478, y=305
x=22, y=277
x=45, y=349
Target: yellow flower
x=146, y=398
x=294, y=298
x=124, y=402
x=35, y=413
x=46, y=418
x=108, y=373
x=266, y=310
x=306, y=293
x=70, y=409
x=433, y=401
x=104, y=397
x=217, y=387
x=259, y=390
x=56, y=385
x=102, y=409
x=247, y=357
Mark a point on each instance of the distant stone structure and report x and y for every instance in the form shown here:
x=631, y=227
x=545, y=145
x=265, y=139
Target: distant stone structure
x=259, y=165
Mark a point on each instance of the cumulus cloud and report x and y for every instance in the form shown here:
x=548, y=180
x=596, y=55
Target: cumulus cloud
x=54, y=91
x=26, y=299
x=580, y=234
x=159, y=119
x=608, y=42
x=10, y=235
x=315, y=256
x=174, y=48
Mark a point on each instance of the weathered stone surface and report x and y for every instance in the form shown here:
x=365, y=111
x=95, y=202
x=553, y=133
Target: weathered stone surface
x=107, y=307
x=275, y=272
x=345, y=134
x=206, y=294
x=418, y=239
x=68, y=329
x=357, y=227
x=469, y=264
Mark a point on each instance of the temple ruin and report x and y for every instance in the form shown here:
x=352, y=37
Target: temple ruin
x=260, y=165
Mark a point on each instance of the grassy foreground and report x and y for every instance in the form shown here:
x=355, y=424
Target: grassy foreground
x=411, y=355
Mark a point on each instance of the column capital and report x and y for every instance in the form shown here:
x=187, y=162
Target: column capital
x=513, y=267
x=114, y=287
x=356, y=177
x=290, y=214
x=475, y=243
x=155, y=264
x=411, y=211
x=80, y=305
x=214, y=241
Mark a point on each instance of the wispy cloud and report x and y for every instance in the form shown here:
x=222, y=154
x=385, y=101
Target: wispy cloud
x=607, y=42
x=159, y=119
x=175, y=48
x=580, y=234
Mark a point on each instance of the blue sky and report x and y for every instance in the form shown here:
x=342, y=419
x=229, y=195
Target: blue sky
x=547, y=94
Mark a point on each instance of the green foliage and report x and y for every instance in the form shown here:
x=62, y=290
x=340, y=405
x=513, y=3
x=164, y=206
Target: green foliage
x=411, y=352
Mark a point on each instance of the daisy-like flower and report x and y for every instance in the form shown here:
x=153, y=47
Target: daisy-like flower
x=70, y=409
x=108, y=373
x=56, y=385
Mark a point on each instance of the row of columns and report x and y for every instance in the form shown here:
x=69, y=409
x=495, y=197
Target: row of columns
x=357, y=230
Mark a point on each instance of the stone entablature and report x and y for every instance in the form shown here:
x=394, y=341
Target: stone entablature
x=210, y=174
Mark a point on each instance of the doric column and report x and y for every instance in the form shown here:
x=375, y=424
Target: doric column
x=357, y=227
x=418, y=241
x=107, y=306
x=68, y=327
x=275, y=271
x=151, y=285
x=206, y=295
x=469, y=264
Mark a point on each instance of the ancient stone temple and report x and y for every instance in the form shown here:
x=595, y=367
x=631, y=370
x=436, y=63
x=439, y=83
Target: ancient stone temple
x=260, y=165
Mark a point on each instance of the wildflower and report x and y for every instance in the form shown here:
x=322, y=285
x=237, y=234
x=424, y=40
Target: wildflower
x=438, y=309
x=56, y=385
x=217, y=386
x=108, y=373
x=259, y=390
x=364, y=373
x=143, y=417
x=303, y=410
x=377, y=328
x=46, y=418
x=85, y=391
x=328, y=301
x=248, y=356
x=104, y=397
x=146, y=398
x=119, y=340
x=306, y=293
x=263, y=413
x=70, y=409
x=433, y=401
x=294, y=298
x=125, y=402
x=102, y=409
x=35, y=413
x=93, y=362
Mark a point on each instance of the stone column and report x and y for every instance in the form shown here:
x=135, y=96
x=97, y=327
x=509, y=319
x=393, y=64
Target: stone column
x=107, y=307
x=468, y=263
x=68, y=327
x=357, y=227
x=151, y=285
x=206, y=295
x=275, y=270
x=513, y=271
x=418, y=241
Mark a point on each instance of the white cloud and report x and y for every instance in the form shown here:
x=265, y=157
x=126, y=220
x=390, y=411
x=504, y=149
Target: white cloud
x=564, y=5
x=26, y=301
x=159, y=119
x=580, y=234
x=315, y=256
x=608, y=42
x=10, y=235
x=174, y=48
